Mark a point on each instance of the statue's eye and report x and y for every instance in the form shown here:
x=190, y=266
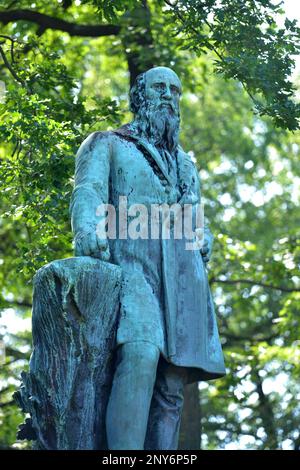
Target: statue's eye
x=159, y=86
x=175, y=90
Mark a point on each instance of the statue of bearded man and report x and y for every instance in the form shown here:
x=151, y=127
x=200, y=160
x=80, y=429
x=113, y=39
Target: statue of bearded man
x=167, y=333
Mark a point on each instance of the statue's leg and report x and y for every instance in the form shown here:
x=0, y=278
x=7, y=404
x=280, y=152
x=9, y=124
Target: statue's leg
x=166, y=408
x=131, y=394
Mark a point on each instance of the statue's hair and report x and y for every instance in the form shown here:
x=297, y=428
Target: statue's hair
x=137, y=93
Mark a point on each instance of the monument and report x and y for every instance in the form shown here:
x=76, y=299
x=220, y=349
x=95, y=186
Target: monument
x=122, y=327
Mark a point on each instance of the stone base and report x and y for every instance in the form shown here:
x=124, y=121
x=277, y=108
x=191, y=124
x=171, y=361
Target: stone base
x=74, y=321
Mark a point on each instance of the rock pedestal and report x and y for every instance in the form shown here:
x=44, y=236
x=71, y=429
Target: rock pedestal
x=74, y=321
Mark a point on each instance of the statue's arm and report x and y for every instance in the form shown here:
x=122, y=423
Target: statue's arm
x=208, y=238
x=90, y=190
x=207, y=247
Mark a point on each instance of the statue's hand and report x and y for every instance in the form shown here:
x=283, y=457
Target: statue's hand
x=88, y=244
x=206, y=249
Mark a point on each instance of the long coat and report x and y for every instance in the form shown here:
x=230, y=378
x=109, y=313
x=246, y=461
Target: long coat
x=165, y=296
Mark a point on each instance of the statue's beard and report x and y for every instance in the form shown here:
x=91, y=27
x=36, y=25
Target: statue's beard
x=160, y=125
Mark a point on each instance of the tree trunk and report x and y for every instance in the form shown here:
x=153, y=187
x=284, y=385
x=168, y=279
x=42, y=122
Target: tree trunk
x=138, y=41
x=266, y=414
x=190, y=430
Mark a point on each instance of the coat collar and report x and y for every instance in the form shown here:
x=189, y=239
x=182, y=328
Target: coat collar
x=185, y=164
x=126, y=131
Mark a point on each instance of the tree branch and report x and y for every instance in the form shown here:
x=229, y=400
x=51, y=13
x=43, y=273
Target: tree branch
x=12, y=41
x=8, y=403
x=9, y=67
x=252, y=339
x=254, y=283
x=51, y=22
x=16, y=354
x=14, y=304
x=209, y=44
x=5, y=390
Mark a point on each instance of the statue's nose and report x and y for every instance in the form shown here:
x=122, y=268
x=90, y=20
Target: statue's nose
x=167, y=93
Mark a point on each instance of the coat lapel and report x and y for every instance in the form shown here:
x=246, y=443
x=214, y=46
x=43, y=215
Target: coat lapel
x=157, y=158
x=150, y=149
x=186, y=172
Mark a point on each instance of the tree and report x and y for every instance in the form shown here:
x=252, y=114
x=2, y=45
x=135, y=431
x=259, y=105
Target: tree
x=67, y=68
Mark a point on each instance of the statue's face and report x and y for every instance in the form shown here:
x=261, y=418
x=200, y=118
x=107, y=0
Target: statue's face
x=163, y=89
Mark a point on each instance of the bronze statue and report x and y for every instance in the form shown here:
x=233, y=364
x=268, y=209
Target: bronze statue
x=161, y=332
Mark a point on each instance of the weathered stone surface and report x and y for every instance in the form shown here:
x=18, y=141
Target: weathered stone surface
x=74, y=320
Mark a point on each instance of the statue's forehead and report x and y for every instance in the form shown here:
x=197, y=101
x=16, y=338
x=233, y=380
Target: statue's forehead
x=162, y=74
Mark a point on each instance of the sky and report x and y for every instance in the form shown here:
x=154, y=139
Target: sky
x=292, y=10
